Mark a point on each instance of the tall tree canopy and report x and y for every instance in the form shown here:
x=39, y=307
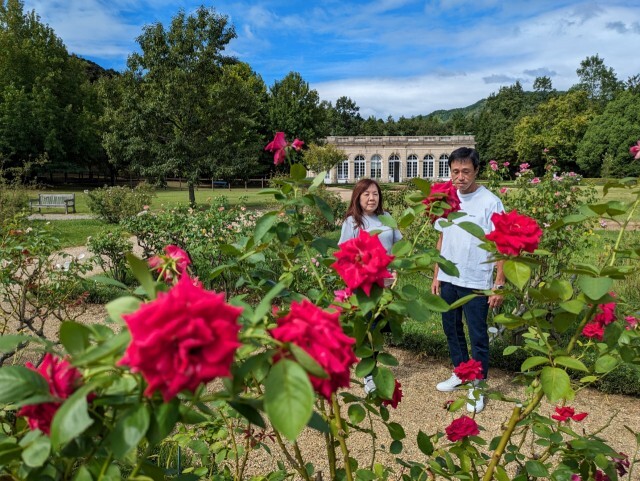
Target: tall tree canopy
x=48, y=108
x=183, y=108
x=598, y=80
x=604, y=149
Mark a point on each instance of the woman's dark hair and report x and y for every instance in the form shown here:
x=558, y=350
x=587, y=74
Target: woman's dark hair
x=465, y=154
x=355, y=209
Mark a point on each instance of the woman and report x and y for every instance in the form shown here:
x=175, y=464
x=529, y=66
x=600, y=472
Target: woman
x=362, y=214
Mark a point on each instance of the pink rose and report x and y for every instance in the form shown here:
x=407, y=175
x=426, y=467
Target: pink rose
x=470, y=370
x=564, y=413
x=277, y=146
x=396, y=398
x=362, y=262
x=506, y=164
x=297, y=144
x=631, y=321
x=493, y=164
x=63, y=379
x=320, y=334
x=524, y=166
x=187, y=336
x=504, y=190
x=593, y=330
x=442, y=192
x=461, y=428
x=535, y=180
x=514, y=233
x=635, y=151
x=174, y=262
x=342, y=295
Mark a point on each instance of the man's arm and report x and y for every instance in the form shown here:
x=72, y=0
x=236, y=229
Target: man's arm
x=496, y=299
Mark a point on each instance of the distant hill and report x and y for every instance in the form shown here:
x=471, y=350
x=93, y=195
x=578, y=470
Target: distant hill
x=95, y=71
x=468, y=111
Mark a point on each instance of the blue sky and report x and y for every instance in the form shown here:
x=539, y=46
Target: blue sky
x=392, y=57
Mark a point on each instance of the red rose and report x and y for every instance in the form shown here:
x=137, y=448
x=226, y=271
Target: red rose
x=174, y=262
x=461, y=428
x=442, y=192
x=297, y=144
x=606, y=313
x=594, y=330
x=319, y=333
x=362, y=262
x=277, y=146
x=514, y=233
x=396, y=398
x=63, y=379
x=469, y=371
x=185, y=337
x=564, y=413
x=635, y=150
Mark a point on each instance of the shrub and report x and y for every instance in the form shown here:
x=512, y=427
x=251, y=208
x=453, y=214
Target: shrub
x=13, y=200
x=110, y=247
x=114, y=204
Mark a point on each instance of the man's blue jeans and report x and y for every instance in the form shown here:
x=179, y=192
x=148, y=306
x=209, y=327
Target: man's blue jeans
x=475, y=314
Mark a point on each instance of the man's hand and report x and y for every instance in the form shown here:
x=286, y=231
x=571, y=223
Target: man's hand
x=495, y=300
x=435, y=287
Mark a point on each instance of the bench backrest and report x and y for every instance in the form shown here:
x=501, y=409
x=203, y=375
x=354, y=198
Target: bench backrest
x=55, y=199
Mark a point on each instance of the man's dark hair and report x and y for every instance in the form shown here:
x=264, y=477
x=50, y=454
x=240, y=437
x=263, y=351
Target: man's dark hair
x=465, y=154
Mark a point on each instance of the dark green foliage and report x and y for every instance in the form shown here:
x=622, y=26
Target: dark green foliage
x=114, y=204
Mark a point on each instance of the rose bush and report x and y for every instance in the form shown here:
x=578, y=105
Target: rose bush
x=283, y=350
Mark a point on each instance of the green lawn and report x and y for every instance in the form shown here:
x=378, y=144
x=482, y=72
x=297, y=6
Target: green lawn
x=73, y=233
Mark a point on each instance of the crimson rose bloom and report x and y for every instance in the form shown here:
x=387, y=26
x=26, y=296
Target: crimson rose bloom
x=635, y=151
x=469, y=371
x=564, y=413
x=514, y=233
x=320, y=335
x=396, y=398
x=445, y=192
x=63, y=379
x=277, y=146
x=174, y=261
x=185, y=337
x=362, y=262
x=594, y=330
x=606, y=313
x=461, y=428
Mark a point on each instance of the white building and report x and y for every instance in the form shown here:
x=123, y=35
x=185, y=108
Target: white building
x=395, y=158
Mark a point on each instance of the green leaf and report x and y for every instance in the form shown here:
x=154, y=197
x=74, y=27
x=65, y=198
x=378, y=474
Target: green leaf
x=141, y=272
x=264, y=224
x=307, y=362
x=462, y=301
x=250, y=413
x=556, y=384
x=385, y=382
x=518, y=273
x=401, y=248
x=265, y=304
x=37, y=452
x=473, y=229
x=122, y=305
x=108, y=281
x=406, y=218
x=533, y=362
x=423, y=185
x=325, y=209
x=387, y=359
x=365, y=366
x=605, y=363
x=317, y=181
x=72, y=418
x=18, y=383
x=536, y=469
x=389, y=221
x=288, y=398
x=163, y=419
x=509, y=350
x=571, y=362
x=112, y=346
x=131, y=427
x=396, y=431
x=298, y=172
x=574, y=306
x=10, y=342
x=395, y=447
x=424, y=444
x=74, y=336
x=595, y=287
x=435, y=303
x=356, y=413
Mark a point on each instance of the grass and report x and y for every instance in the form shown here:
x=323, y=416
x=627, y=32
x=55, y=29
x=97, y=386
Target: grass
x=73, y=233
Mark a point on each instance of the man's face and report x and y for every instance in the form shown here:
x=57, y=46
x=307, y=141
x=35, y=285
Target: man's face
x=463, y=176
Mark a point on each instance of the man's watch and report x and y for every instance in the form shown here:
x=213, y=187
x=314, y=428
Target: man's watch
x=498, y=286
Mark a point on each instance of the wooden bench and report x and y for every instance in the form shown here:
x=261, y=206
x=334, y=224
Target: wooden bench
x=219, y=184
x=54, y=200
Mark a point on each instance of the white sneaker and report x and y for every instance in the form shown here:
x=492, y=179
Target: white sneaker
x=369, y=385
x=477, y=401
x=450, y=384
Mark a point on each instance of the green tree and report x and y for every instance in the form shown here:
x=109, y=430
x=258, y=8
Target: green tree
x=295, y=109
x=557, y=126
x=319, y=158
x=598, y=80
x=604, y=149
x=184, y=108
x=47, y=106
x=498, y=118
x=345, y=117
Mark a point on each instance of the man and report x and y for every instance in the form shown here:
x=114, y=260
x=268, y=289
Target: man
x=475, y=272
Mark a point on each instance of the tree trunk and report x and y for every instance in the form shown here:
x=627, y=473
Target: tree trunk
x=192, y=194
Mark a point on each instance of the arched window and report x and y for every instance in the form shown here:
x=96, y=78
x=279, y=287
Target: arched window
x=394, y=168
x=376, y=166
x=358, y=167
x=443, y=167
x=412, y=166
x=343, y=170
x=427, y=167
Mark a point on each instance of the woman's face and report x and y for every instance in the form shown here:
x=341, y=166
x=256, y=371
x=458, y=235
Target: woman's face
x=369, y=200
